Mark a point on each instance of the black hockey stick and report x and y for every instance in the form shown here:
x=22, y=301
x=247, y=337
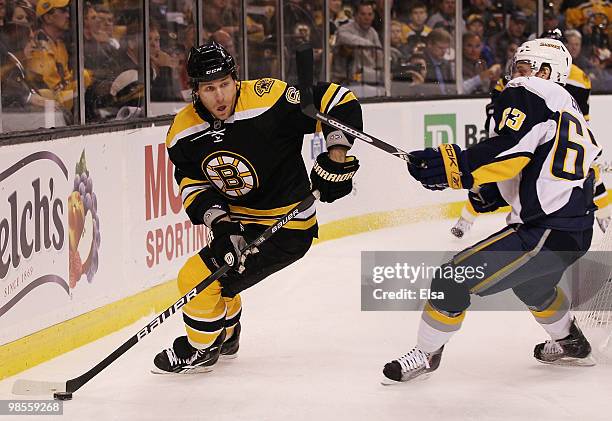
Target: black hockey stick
x=304, y=60
x=64, y=390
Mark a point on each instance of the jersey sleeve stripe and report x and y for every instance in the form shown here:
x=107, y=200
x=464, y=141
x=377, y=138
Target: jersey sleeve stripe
x=349, y=96
x=327, y=97
x=337, y=97
x=500, y=170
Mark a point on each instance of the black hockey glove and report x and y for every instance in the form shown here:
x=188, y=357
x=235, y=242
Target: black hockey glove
x=228, y=243
x=440, y=168
x=487, y=198
x=333, y=179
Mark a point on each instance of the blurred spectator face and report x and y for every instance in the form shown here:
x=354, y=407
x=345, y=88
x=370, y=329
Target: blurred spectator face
x=59, y=18
x=2, y=9
x=516, y=28
x=365, y=16
x=301, y=32
x=90, y=22
x=19, y=16
x=550, y=21
x=574, y=46
x=220, y=4
x=480, y=5
x=447, y=7
x=472, y=48
x=335, y=6
x=106, y=21
x=396, y=34
x=418, y=16
x=476, y=27
x=438, y=49
x=154, y=41
x=218, y=97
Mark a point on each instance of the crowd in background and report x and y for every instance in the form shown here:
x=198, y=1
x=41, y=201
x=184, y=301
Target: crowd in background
x=38, y=57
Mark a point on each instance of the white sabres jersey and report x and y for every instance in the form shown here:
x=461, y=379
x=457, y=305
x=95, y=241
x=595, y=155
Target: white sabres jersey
x=540, y=155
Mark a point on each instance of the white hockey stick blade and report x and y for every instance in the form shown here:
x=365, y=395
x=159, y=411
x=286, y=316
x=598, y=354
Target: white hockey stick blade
x=35, y=387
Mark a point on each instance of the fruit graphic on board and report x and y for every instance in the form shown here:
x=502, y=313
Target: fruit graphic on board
x=83, y=226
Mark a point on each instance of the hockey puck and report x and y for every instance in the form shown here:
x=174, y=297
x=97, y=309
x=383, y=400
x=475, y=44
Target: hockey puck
x=62, y=396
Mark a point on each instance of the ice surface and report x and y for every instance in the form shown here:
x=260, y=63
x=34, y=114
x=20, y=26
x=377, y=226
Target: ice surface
x=309, y=353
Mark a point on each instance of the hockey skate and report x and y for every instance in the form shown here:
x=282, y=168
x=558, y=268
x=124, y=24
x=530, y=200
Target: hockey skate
x=229, y=349
x=573, y=350
x=461, y=227
x=183, y=358
x=408, y=367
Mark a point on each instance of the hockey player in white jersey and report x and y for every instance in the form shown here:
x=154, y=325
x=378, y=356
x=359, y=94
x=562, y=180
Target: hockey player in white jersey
x=539, y=163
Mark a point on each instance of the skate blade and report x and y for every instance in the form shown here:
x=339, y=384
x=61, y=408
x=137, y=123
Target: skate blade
x=572, y=362
x=389, y=382
x=228, y=357
x=195, y=370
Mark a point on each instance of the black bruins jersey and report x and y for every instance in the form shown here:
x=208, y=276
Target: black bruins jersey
x=251, y=164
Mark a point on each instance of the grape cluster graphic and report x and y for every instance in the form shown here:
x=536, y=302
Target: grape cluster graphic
x=83, y=226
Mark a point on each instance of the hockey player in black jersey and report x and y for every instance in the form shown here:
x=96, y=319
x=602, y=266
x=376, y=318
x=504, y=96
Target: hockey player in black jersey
x=539, y=163
x=237, y=156
x=578, y=84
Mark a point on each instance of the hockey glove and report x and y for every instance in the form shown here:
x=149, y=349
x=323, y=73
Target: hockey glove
x=228, y=243
x=440, y=168
x=487, y=198
x=333, y=179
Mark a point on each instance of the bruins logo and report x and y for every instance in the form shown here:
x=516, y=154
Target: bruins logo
x=231, y=173
x=292, y=95
x=263, y=86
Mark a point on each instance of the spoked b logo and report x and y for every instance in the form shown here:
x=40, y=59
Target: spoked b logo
x=231, y=173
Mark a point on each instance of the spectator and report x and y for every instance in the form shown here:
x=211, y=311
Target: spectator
x=482, y=8
x=164, y=86
x=2, y=12
x=399, y=53
x=515, y=33
x=477, y=78
x=439, y=70
x=574, y=46
x=416, y=30
x=476, y=25
x=445, y=17
x=22, y=12
x=106, y=24
x=358, y=56
x=218, y=16
x=551, y=20
x=49, y=69
x=18, y=98
x=337, y=16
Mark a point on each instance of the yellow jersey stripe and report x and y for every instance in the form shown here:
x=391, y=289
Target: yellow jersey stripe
x=499, y=170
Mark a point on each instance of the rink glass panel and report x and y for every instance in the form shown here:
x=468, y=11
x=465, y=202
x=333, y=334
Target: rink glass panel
x=104, y=77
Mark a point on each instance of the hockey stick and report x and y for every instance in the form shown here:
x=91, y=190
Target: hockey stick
x=304, y=60
x=64, y=390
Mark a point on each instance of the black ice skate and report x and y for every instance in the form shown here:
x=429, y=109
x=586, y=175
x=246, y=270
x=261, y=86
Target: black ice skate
x=410, y=366
x=229, y=349
x=185, y=359
x=573, y=350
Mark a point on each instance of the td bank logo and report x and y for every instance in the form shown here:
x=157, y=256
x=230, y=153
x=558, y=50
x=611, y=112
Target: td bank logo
x=439, y=129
